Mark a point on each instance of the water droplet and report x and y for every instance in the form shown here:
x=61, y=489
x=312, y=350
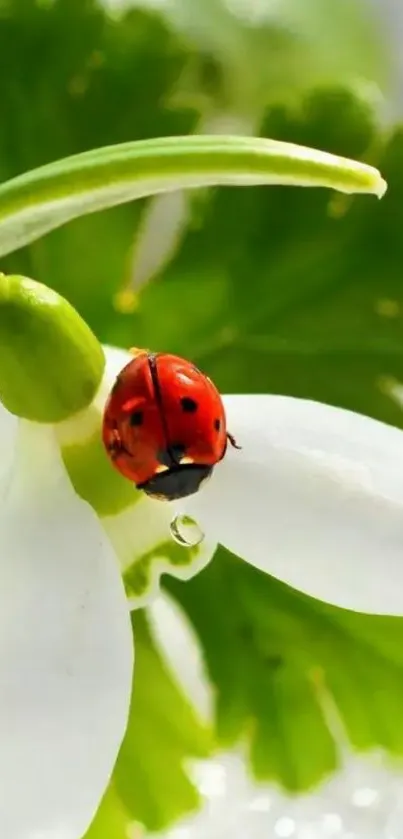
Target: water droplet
x=185, y=531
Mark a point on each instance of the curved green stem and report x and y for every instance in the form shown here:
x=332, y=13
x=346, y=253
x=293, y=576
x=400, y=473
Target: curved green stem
x=46, y=198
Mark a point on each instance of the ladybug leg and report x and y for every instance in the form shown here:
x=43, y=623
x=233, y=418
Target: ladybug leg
x=233, y=442
x=114, y=446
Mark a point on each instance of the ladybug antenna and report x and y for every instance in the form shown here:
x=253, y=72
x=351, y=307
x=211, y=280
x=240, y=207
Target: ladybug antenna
x=233, y=442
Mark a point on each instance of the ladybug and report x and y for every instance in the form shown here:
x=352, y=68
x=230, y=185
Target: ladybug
x=164, y=425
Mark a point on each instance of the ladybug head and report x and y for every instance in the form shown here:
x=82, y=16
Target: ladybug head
x=176, y=481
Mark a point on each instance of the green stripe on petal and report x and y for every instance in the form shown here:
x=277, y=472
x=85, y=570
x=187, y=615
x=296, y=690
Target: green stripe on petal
x=141, y=538
x=87, y=463
x=95, y=479
x=139, y=577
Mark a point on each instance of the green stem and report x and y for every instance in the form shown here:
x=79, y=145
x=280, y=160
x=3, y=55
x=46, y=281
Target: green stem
x=46, y=198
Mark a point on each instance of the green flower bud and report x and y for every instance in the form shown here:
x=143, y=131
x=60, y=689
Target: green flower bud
x=51, y=363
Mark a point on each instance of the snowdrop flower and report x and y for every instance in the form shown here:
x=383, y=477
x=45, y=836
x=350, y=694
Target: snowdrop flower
x=66, y=649
x=314, y=497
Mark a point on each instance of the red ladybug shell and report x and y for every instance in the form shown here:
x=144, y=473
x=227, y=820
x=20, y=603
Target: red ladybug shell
x=164, y=425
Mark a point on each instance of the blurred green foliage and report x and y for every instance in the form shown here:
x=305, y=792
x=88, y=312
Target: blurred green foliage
x=296, y=660
x=273, y=290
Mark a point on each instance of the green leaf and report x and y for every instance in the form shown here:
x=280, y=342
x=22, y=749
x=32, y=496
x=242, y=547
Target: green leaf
x=329, y=326
x=163, y=732
x=46, y=198
x=103, y=81
x=111, y=820
x=290, y=291
x=276, y=657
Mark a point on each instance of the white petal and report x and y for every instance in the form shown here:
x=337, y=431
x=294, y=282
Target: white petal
x=65, y=651
x=314, y=498
x=142, y=540
x=115, y=360
x=8, y=432
x=180, y=647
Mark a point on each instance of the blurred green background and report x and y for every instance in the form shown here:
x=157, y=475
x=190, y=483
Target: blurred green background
x=270, y=289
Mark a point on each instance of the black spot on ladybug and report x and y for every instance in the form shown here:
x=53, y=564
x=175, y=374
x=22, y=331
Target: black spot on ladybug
x=171, y=456
x=136, y=418
x=164, y=457
x=177, y=451
x=189, y=405
x=217, y=424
